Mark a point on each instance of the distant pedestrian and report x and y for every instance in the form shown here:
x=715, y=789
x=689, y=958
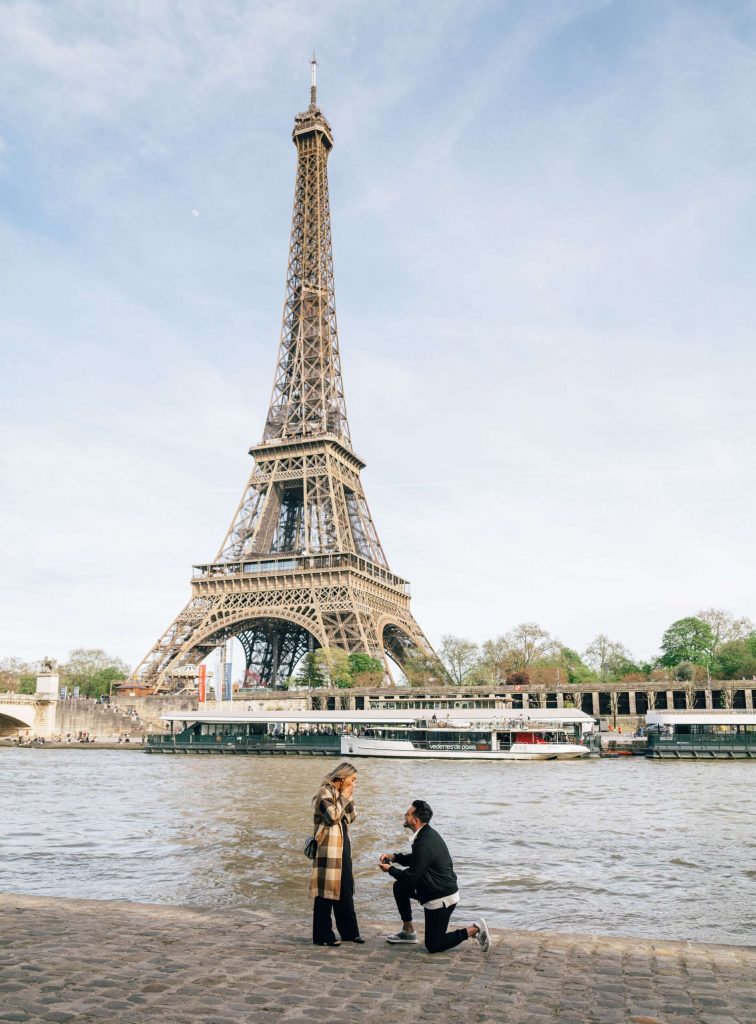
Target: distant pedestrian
x=428, y=878
x=332, y=880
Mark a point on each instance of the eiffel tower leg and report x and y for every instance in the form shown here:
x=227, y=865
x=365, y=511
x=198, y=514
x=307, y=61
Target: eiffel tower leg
x=274, y=660
x=153, y=669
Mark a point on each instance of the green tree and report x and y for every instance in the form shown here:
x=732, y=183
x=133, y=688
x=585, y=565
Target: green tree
x=689, y=639
x=366, y=670
x=460, y=657
x=93, y=671
x=309, y=672
x=736, y=659
x=333, y=662
x=575, y=668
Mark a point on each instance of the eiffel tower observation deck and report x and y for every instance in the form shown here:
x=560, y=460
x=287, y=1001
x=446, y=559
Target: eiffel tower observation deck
x=301, y=566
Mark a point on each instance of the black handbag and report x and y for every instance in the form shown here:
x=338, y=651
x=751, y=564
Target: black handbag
x=311, y=848
x=311, y=843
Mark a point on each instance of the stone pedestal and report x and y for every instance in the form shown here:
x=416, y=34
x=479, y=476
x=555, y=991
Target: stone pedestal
x=48, y=685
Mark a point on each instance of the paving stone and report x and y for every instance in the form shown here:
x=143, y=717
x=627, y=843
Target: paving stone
x=84, y=962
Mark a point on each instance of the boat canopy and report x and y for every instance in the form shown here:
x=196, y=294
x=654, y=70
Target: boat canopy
x=516, y=718
x=725, y=717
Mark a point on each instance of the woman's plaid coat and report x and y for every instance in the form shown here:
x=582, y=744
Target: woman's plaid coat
x=330, y=811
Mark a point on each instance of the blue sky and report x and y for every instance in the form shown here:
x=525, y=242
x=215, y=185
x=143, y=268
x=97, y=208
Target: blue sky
x=544, y=218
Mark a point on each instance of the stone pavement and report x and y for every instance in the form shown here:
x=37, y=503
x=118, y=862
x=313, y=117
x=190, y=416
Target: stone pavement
x=88, y=962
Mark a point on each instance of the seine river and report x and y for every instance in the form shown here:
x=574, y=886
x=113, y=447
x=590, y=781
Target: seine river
x=623, y=847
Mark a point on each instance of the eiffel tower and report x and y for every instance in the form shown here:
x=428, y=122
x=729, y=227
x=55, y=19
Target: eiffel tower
x=301, y=565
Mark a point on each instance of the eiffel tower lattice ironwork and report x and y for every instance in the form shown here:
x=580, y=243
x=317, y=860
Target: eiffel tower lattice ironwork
x=301, y=566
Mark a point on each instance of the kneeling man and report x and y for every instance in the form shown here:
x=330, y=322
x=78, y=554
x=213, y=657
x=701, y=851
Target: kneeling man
x=429, y=878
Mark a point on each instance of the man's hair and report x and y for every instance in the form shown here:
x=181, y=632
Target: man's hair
x=423, y=811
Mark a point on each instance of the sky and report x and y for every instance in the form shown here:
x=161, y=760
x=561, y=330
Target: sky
x=544, y=221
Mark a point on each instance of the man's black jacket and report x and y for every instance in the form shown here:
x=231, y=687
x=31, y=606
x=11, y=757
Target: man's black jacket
x=430, y=872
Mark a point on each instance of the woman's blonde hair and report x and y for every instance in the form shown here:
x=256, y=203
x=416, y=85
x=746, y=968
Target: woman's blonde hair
x=343, y=771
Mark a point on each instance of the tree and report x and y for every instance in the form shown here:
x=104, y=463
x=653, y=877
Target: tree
x=309, y=673
x=609, y=658
x=333, y=662
x=460, y=657
x=17, y=676
x=494, y=662
x=93, y=671
x=692, y=677
x=520, y=679
x=689, y=639
x=736, y=659
x=423, y=670
x=725, y=627
x=576, y=671
x=529, y=643
x=366, y=670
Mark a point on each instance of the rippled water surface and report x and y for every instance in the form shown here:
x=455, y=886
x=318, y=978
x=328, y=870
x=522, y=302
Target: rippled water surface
x=618, y=847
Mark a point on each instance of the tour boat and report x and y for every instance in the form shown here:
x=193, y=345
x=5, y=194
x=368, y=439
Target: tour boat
x=534, y=734
x=529, y=735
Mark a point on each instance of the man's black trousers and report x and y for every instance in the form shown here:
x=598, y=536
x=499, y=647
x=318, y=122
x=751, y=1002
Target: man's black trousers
x=437, y=939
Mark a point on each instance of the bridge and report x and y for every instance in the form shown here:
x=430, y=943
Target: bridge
x=43, y=715
x=33, y=711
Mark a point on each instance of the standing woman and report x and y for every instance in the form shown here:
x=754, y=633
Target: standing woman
x=332, y=881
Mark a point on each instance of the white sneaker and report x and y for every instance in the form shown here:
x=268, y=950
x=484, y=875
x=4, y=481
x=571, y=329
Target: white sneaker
x=483, y=936
x=402, y=936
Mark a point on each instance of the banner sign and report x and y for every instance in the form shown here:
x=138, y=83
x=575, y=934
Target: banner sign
x=227, y=694
x=202, y=682
x=63, y=692
x=76, y=692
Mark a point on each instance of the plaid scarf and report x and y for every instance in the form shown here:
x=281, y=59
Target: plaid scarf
x=330, y=811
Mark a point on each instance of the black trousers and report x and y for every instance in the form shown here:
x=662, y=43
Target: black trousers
x=342, y=908
x=437, y=938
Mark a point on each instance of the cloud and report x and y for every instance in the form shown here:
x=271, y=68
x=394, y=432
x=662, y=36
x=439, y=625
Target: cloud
x=542, y=223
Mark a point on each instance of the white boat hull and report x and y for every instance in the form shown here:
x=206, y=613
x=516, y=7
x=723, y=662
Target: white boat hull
x=365, y=746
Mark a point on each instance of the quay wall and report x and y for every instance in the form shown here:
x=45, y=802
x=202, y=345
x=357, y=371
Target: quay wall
x=617, y=704
x=149, y=709
x=108, y=961
x=99, y=720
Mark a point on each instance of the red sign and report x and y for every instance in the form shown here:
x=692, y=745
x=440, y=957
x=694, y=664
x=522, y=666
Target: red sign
x=202, y=682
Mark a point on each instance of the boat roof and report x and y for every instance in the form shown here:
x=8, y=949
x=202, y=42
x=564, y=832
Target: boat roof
x=724, y=717
x=219, y=714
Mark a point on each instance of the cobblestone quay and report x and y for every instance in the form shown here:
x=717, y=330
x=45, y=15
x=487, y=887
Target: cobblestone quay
x=124, y=963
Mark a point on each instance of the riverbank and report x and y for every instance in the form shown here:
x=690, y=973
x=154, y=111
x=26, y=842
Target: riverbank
x=90, y=962
x=73, y=745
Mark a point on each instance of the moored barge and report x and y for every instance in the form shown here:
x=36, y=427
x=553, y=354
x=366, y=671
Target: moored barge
x=701, y=735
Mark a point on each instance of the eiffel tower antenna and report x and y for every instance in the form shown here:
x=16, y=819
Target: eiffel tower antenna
x=301, y=565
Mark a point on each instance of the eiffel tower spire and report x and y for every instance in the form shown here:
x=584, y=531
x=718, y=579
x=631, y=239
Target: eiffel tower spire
x=301, y=565
x=308, y=392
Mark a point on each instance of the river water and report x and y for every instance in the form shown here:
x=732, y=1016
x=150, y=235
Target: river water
x=628, y=847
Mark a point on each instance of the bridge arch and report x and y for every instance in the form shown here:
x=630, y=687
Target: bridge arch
x=10, y=724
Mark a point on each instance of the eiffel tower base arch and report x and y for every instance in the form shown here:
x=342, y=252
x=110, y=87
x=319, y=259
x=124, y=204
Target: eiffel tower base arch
x=277, y=622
